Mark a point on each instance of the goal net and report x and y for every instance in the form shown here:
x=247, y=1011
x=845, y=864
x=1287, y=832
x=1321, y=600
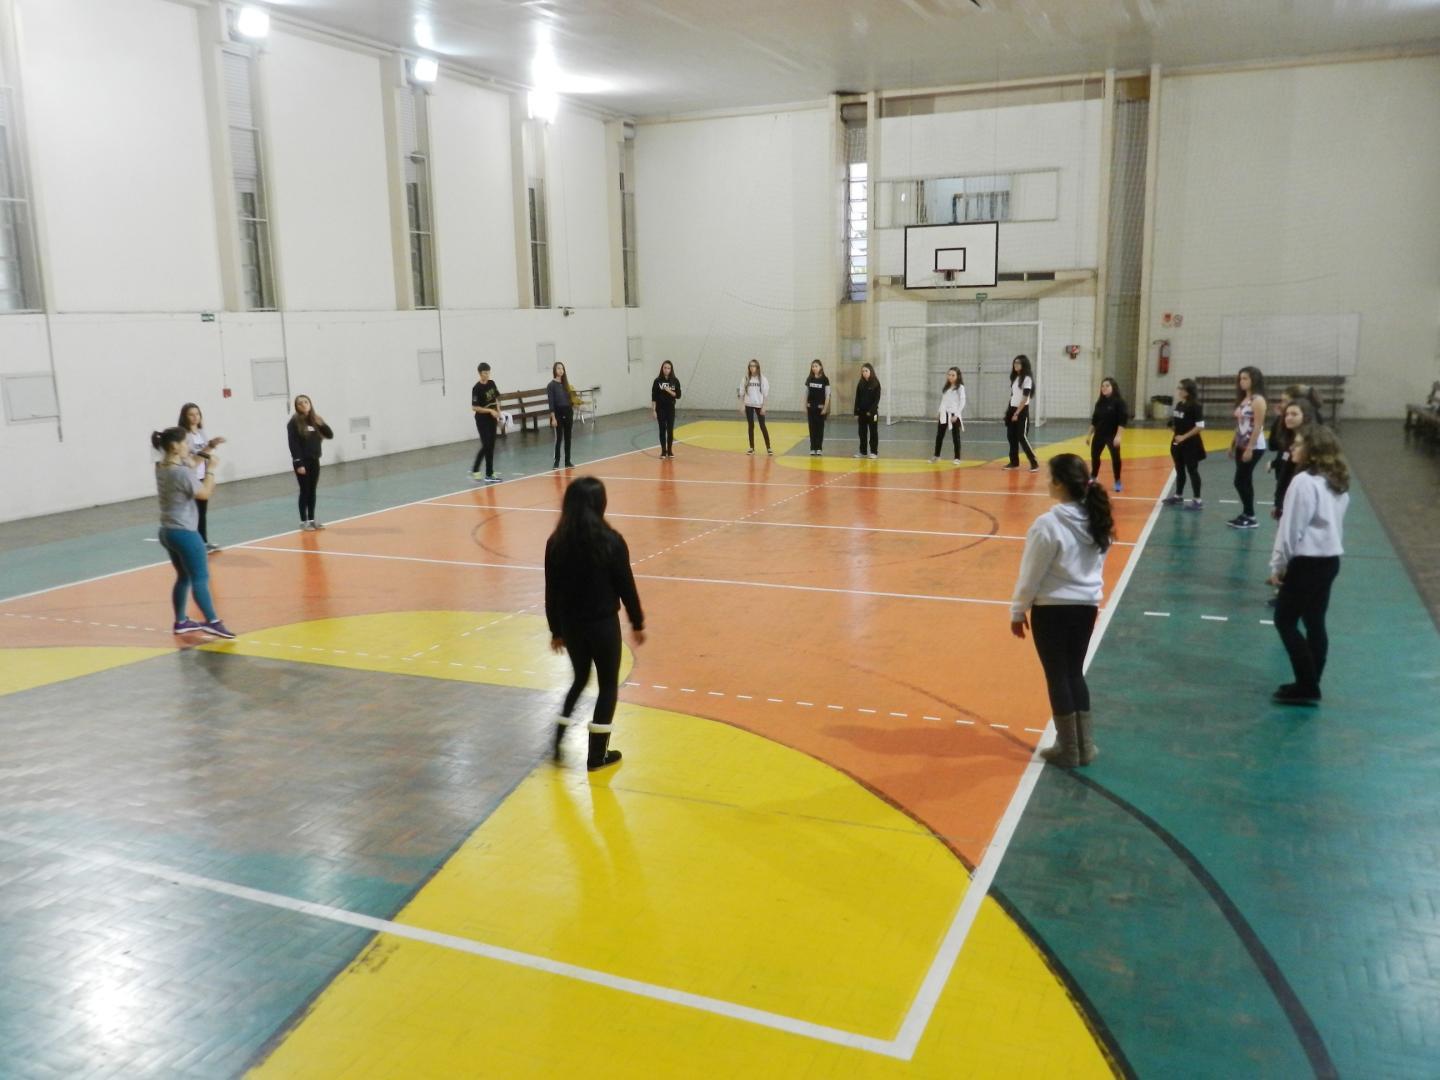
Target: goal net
x=917, y=358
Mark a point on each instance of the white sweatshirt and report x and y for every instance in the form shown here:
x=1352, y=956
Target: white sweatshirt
x=1312, y=523
x=754, y=395
x=1062, y=564
x=952, y=403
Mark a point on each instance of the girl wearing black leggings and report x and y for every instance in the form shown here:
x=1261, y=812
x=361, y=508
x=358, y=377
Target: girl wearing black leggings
x=562, y=411
x=587, y=578
x=1017, y=416
x=1060, y=585
x=306, y=432
x=1249, y=445
x=1187, y=445
x=1107, y=424
x=867, y=412
x=952, y=413
x=664, y=393
x=753, y=393
x=1306, y=558
x=817, y=405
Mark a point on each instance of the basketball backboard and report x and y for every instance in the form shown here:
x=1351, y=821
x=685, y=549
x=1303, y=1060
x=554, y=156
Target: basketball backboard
x=952, y=256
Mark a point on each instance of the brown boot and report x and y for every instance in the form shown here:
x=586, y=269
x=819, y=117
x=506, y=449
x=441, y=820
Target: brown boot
x=1088, y=753
x=1065, y=754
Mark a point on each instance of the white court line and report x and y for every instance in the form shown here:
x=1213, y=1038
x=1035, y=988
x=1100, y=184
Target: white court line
x=333, y=523
x=638, y=577
x=530, y=961
x=748, y=521
x=928, y=996
x=863, y=487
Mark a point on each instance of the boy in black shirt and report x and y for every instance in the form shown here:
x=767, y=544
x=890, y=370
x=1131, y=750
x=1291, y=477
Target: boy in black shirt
x=485, y=404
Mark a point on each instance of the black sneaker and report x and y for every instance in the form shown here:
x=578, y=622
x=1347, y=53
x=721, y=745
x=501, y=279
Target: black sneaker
x=1237, y=522
x=1173, y=500
x=1295, y=694
x=1009, y=468
x=1249, y=523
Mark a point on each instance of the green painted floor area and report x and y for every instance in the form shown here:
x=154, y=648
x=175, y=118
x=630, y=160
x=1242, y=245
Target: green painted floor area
x=1239, y=888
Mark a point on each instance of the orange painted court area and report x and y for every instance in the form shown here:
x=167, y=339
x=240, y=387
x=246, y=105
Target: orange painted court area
x=855, y=614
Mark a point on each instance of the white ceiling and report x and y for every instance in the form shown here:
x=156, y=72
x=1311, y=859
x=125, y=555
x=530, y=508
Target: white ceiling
x=657, y=57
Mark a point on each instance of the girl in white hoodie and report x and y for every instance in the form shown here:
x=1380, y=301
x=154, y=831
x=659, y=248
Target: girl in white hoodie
x=1059, y=587
x=952, y=409
x=753, y=393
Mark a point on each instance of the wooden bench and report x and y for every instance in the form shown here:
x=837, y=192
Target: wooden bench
x=1423, y=420
x=529, y=405
x=1219, y=391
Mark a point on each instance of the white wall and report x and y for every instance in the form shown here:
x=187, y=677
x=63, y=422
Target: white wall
x=474, y=207
x=129, y=240
x=1304, y=190
x=330, y=196
x=1057, y=135
x=117, y=127
x=738, y=249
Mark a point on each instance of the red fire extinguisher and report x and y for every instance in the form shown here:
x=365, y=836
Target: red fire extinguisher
x=1162, y=365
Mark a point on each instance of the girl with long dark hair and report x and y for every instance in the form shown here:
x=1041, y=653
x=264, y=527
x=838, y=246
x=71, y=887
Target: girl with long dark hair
x=867, y=412
x=1017, y=416
x=817, y=405
x=306, y=432
x=181, y=496
x=753, y=393
x=1305, y=560
x=587, y=578
x=1107, y=424
x=664, y=393
x=1187, y=444
x=952, y=413
x=562, y=411
x=1296, y=413
x=192, y=422
x=1059, y=586
x=1249, y=445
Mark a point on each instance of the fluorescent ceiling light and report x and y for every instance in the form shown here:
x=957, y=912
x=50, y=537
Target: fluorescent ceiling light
x=424, y=69
x=424, y=35
x=544, y=104
x=252, y=22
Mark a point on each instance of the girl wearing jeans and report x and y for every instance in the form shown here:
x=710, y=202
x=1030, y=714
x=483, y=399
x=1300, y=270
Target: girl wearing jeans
x=587, y=578
x=1059, y=586
x=1249, y=445
x=753, y=393
x=1306, y=558
x=180, y=498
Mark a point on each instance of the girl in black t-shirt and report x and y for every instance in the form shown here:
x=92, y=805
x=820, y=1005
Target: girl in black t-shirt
x=1107, y=424
x=664, y=393
x=587, y=578
x=817, y=405
x=1187, y=445
x=867, y=412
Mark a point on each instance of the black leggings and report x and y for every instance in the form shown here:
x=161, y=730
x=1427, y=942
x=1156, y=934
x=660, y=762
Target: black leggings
x=564, y=421
x=1104, y=440
x=308, y=483
x=1185, y=464
x=665, y=419
x=1062, y=637
x=1305, y=597
x=954, y=426
x=753, y=413
x=595, y=643
x=817, y=427
x=1245, y=479
x=485, y=427
x=869, y=433
x=1015, y=425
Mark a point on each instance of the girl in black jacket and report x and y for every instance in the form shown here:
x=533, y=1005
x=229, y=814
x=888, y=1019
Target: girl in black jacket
x=867, y=412
x=587, y=578
x=664, y=393
x=1107, y=424
x=306, y=432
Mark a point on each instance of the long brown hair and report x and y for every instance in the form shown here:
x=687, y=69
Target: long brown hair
x=1071, y=473
x=300, y=421
x=1324, y=457
x=185, y=409
x=564, y=375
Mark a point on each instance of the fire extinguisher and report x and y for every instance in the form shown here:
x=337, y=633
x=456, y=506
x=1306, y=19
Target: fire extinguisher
x=1162, y=365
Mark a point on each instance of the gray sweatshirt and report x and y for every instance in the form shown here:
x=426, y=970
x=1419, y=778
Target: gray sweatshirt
x=1062, y=564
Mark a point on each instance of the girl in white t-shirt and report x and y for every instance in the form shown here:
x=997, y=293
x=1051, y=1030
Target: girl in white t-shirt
x=1017, y=416
x=192, y=422
x=952, y=410
x=753, y=393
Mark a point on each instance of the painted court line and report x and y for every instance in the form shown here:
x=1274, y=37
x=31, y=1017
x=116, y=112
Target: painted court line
x=928, y=996
x=860, y=487
x=513, y=957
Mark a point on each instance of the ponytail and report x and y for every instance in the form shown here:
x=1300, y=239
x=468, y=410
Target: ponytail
x=162, y=440
x=1069, y=471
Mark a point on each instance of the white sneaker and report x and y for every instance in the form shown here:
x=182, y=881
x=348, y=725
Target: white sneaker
x=873, y=456
x=933, y=460
x=857, y=455
x=956, y=461
x=317, y=526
